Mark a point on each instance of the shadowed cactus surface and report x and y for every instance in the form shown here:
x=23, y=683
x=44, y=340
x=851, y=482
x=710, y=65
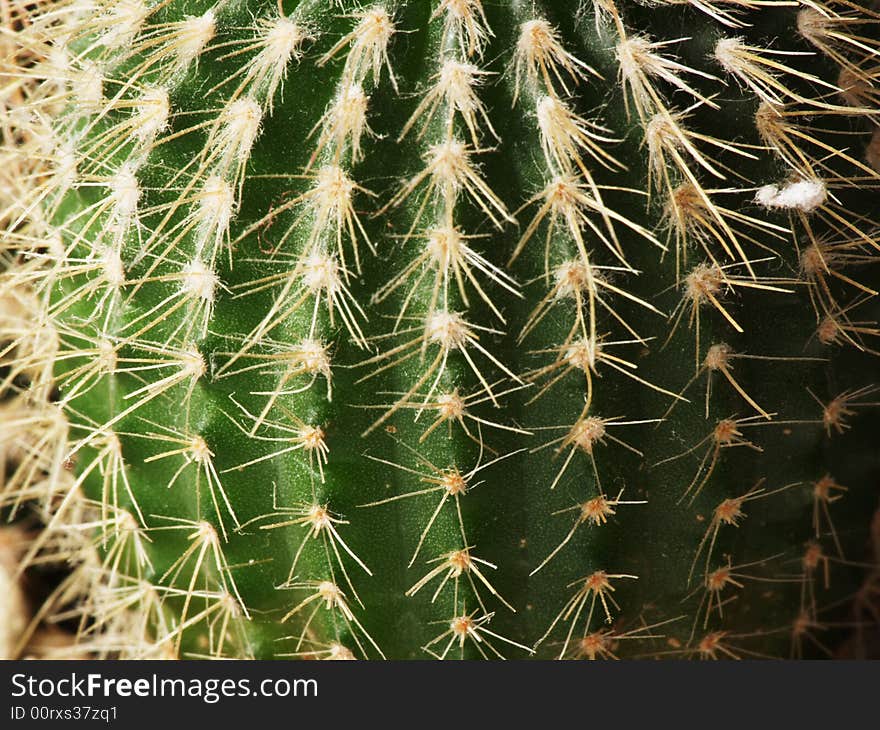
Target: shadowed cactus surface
x=448, y=327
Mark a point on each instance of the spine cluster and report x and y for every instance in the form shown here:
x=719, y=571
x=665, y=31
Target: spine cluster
x=435, y=328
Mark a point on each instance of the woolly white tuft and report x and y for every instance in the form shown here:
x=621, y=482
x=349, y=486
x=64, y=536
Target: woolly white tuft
x=802, y=195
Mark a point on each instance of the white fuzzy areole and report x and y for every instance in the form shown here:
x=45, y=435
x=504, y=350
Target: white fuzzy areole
x=312, y=355
x=726, y=53
x=153, y=110
x=124, y=21
x=125, y=192
x=88, y=86
x=66, y=166
x=320, y=272
x=283, y=40
x=113, y=268
x=199, y=281
x=802, y=195
x=194, y=35
x=241, y=120
x=345, y=121
x=448, y=329
x=216, y=207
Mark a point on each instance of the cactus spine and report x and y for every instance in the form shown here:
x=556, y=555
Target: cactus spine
x=447, y=328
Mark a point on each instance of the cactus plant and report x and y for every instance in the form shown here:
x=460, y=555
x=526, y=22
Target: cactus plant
x=447, y=327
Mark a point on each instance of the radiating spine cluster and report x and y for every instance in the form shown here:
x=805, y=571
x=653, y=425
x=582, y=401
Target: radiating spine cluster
x=283, y=287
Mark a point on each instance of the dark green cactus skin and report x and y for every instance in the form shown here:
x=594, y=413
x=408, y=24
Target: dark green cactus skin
x=508, y=517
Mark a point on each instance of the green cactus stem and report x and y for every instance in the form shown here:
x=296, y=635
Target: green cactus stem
x=451, y=328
